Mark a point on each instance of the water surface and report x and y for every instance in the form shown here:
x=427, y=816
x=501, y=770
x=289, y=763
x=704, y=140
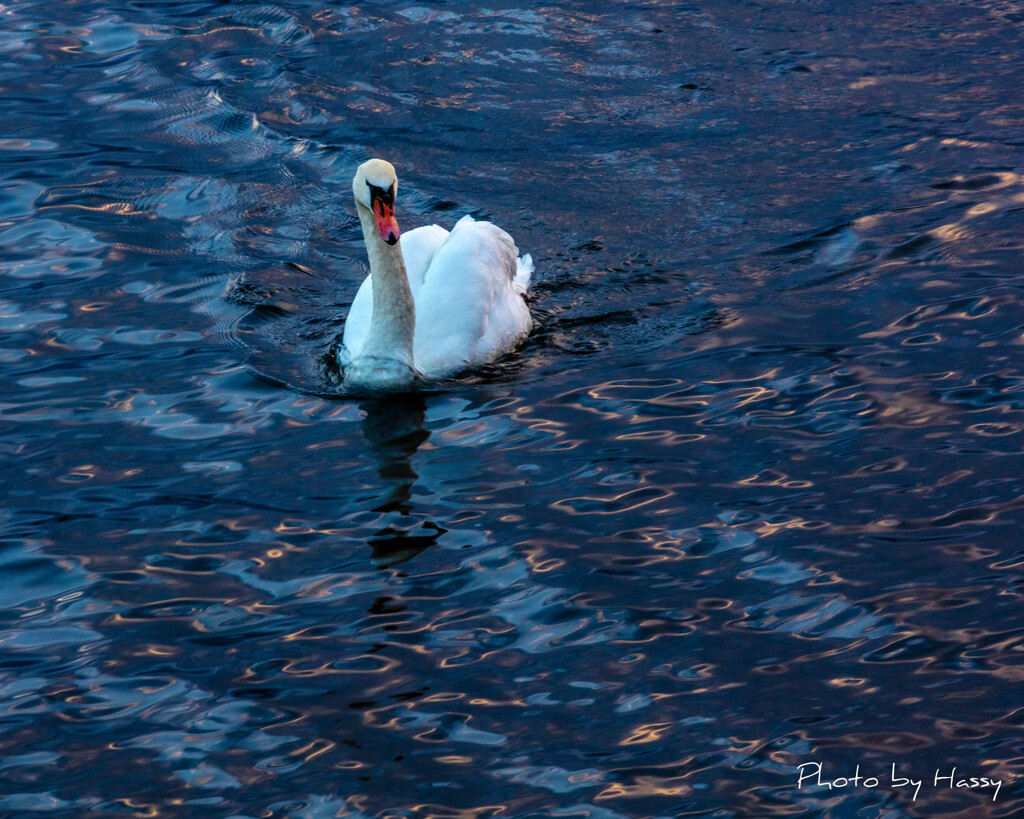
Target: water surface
x=748, y=498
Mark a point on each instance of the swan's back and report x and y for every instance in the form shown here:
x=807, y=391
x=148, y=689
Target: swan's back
x=470, y=307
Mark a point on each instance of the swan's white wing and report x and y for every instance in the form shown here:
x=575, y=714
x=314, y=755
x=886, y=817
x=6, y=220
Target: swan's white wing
x=418, y=249
x=469, y=308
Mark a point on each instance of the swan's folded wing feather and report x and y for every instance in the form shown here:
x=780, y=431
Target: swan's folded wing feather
x=524, y=272
x=467, y=311
x=357, y=324
x=418, y=248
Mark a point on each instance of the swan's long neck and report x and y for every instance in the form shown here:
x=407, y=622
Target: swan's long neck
x=393, y=321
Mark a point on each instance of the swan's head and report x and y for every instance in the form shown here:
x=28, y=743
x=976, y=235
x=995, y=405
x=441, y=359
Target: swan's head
x=375, y=187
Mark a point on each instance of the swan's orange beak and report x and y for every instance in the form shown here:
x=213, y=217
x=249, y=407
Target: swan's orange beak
x=386, y=222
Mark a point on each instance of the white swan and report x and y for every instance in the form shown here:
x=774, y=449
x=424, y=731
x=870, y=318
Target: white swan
x=435, y=303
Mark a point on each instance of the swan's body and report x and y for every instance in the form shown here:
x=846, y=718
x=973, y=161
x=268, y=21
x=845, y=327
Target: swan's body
x=435, y=303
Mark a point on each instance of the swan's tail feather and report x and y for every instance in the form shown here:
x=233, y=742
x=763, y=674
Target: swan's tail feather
x=524, y=271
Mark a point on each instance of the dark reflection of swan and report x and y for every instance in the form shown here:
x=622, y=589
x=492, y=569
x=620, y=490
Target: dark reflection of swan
x=393, y=428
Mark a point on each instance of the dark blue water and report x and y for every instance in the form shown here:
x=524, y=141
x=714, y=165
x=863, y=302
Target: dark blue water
x=749, y=499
